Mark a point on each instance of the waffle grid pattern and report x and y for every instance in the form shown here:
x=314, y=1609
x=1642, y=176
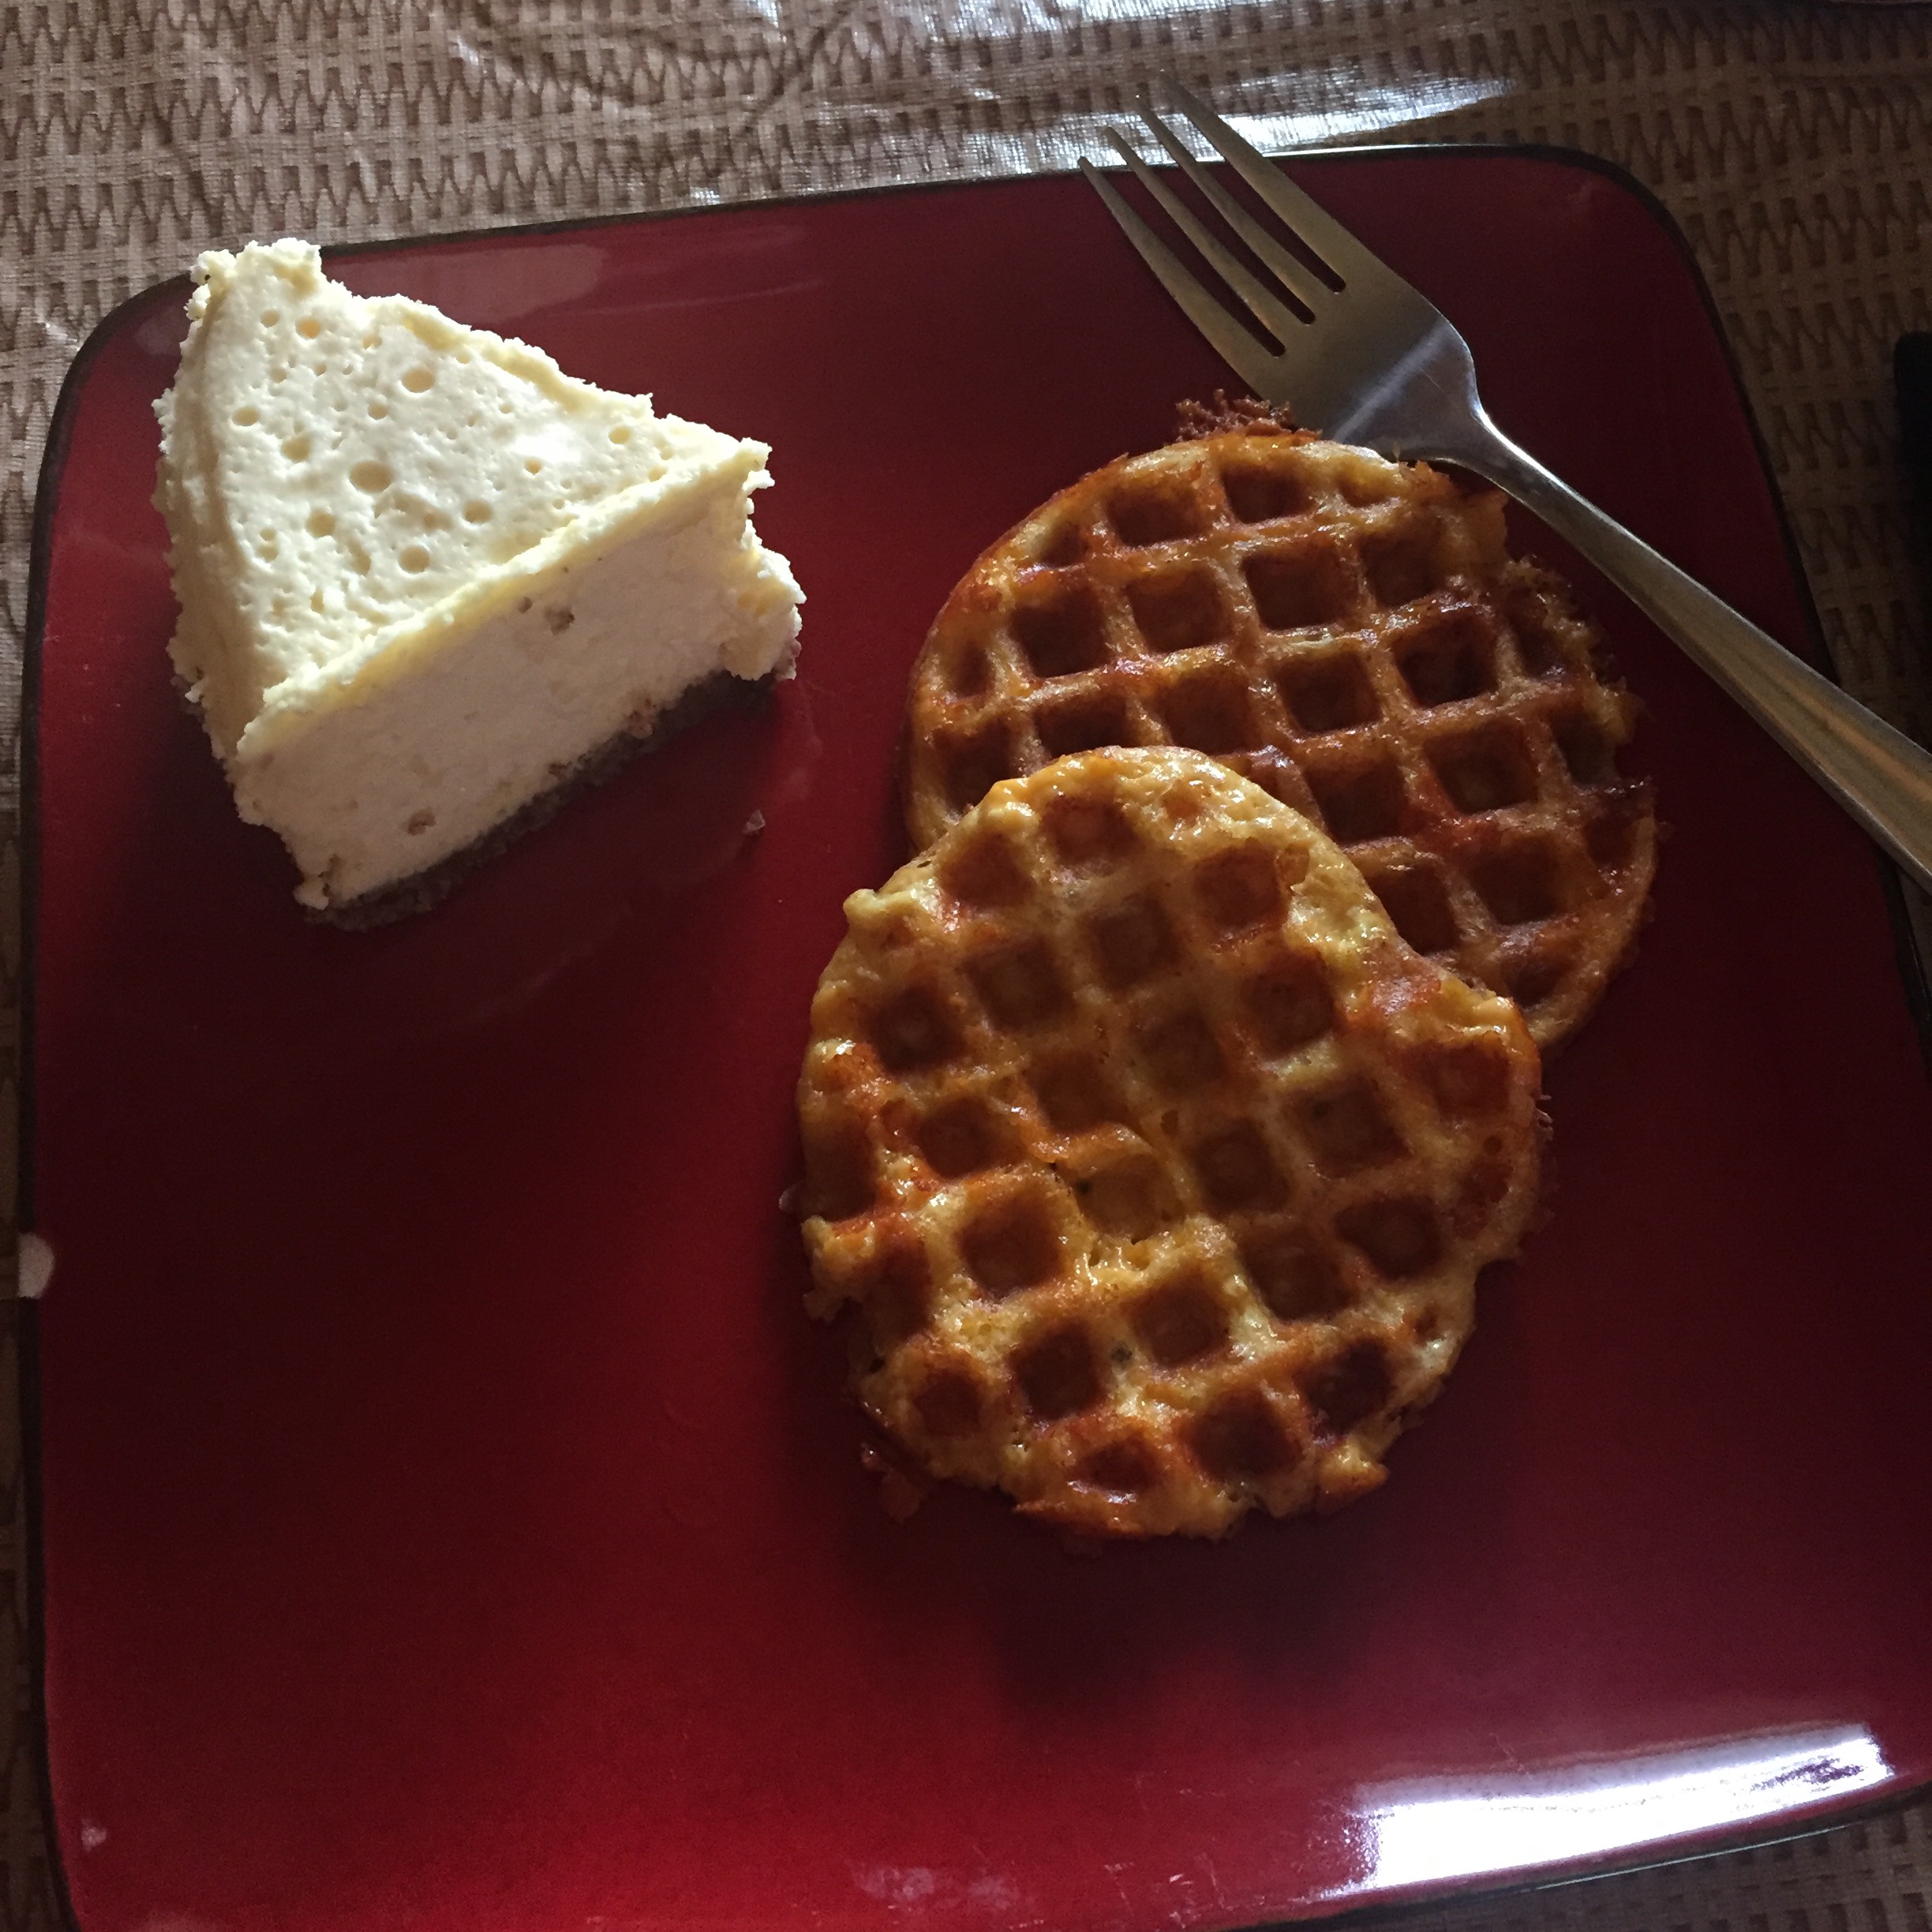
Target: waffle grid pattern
x=1351, y=635
x=1161, y=1173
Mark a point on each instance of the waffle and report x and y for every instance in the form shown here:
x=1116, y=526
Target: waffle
x=1154, y=1168
x=1350, y=634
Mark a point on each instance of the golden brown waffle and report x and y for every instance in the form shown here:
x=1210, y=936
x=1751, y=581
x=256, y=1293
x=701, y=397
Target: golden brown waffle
x=1158, y=1169
x=1352, y=635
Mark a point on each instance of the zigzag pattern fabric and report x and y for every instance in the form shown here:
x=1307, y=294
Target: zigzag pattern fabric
x=1793, y=143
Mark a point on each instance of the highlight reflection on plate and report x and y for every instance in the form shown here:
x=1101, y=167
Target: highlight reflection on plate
x=1420, y=1831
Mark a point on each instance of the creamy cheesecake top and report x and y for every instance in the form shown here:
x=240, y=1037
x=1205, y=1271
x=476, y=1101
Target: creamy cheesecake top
x=352, y=482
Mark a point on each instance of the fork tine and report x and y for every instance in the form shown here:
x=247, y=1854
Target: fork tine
x=1266, y=306
x=1305, y=288
x=1351, y=262
x=1239, y=350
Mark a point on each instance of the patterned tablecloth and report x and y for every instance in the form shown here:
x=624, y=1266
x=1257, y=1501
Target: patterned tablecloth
x=1792, y=142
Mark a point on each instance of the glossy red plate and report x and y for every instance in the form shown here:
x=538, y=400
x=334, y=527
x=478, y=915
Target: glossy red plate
x=448, y=1517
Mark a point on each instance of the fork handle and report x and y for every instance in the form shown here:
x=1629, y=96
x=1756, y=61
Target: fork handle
x=1880, y=777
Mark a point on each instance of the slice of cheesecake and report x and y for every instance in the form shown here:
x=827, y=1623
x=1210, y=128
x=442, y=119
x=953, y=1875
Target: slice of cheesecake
x=427, y=579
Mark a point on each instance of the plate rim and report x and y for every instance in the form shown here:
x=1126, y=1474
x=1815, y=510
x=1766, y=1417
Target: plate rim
x=1804, y=1820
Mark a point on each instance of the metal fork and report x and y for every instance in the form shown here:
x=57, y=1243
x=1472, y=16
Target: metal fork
x=1370, y=360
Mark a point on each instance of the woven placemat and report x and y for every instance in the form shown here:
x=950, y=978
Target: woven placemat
x=1793, y=144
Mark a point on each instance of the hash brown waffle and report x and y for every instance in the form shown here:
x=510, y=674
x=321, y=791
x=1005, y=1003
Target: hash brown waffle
x=1352, y=635
x=1157, y=1170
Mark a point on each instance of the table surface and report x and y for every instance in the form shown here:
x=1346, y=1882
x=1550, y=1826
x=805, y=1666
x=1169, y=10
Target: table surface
x=1793, y=143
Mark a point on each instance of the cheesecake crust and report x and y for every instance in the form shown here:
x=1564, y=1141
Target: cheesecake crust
x=419, y=892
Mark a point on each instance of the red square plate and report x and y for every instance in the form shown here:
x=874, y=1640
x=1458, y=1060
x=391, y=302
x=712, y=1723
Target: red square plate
x=449, y=1519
